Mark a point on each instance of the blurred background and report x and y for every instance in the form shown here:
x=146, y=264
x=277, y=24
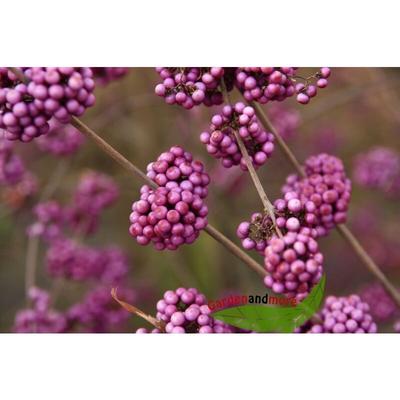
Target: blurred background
x=358, y=111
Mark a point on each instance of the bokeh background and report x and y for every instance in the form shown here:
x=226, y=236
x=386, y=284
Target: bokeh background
x=359, y=110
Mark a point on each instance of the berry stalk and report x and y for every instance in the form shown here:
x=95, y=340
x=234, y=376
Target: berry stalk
x=125, y=163
x=268, y=207
x=343, y=229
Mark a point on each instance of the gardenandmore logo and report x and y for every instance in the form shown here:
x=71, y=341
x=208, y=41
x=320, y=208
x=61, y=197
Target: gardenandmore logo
x=257, y=316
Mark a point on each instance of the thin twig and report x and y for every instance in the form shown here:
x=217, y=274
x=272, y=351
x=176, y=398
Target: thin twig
x=343, y=229
x=268, y=207
x=124, y=162
x=134, y=310
x=31, y=263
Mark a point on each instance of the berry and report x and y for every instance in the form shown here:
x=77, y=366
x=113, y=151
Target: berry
x=290, y=217
x=61, y=140
x=167, y=218
x=325, y=192
x=105, y=75
x=61, y=92
x=176, y=168
x=293, y=263
x=379, y=168
x=342, y=315
x=191, y=86
x=221, y=143
x=12, y=168
x=39, y=318
x=186, y=311
x=20, y=115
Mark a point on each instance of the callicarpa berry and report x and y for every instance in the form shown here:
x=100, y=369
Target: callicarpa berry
x=325, y=192
x=342, y=315
x=221, y=143
x=40, y=318
x=98, y=312
x=380, y=303
x=186, y=311
x=191, y=86
x=12, y=167
x=167, y=218
x=106, y=75
x=176, y=168
x=379, y=168
x=21, y=116
x=293, y=263
x=290, y=215
x=61, y=140
x=61, y=92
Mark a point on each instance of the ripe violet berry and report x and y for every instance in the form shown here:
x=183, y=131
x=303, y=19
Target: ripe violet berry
x=106, y=75
x=167, y=218
x=191, y=86
x=293, y=263
x=342, y=315
x=325, y=192
x=221, y=142
x=176, y=168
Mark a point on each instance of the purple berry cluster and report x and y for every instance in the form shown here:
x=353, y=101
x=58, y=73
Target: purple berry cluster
x=61, y=92
x=167, y=218
x=22, y=116
x=98, y=312
x=191, y=86
x=290, y=215
x=342, y=315
x=379, y=168
x=12, y=168
x=106, y=75
x=186, y=311
x=380, y=303
x=40, y=318
x=176, y=168
x=325, y=192
x=221, y=143
x=265, y=84
x=285, y=120
x=293, y=263
x=61, y=140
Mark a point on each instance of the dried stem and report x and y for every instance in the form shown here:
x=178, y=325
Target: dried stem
x=343, y=229
x=124, y=162
x=268, y=207
x=134, y=310
x=31, y=263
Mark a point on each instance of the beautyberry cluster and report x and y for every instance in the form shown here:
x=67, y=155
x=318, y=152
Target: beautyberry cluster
x=40, y=318
x=342, y=315
x=106, y=75
x=186, y=311
x=12, y=167
x=293, y=263
x=378, y=168
x=325, y=192
x=60, y=140
x=380, y=303
x=285, y=120
x=167, y=218
x=191, y=86
x=176, y=168
x=221, y=143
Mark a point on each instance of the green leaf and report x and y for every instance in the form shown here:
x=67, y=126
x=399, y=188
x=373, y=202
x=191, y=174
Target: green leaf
x=262, y=318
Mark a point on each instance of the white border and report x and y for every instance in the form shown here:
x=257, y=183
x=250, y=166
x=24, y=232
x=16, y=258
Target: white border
x=259, y=366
